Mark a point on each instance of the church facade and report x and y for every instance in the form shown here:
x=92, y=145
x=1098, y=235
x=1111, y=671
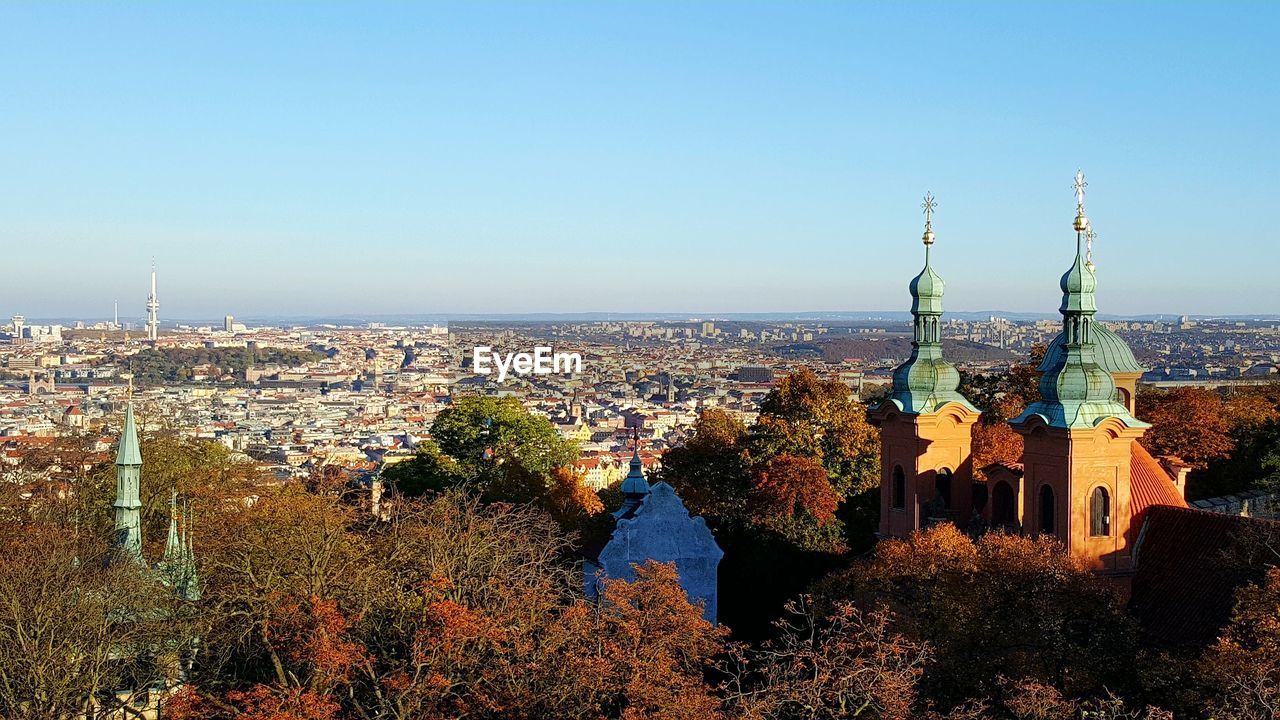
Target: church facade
x=1083, y=478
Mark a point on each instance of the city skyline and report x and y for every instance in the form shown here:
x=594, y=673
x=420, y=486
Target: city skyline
x=495, y=159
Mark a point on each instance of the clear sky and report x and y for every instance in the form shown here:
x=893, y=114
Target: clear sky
x=320, y=158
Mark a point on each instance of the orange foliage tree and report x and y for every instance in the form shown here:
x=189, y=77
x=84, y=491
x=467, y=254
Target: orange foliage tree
x=1188, y=423
x=447, y=608
x=790, y=487
x=1241, y=672
x=846, y=663
x=1004, y=605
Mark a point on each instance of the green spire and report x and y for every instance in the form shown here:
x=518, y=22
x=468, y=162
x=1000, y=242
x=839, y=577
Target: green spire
x=926, y=381
x=1075, y=390
x=178, y=567
x=190, y=587
x=173, y=543
x=129, y=452
x=635, y=485
x=128, y=505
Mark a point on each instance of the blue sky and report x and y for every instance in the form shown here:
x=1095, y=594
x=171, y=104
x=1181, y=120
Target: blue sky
x=320, y=158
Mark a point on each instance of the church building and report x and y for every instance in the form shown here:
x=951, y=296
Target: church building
x=1084, y=479
x=653, y=524
x=926, y=445
x=175, y=571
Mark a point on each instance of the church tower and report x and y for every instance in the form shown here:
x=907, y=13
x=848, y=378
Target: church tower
x=925, y=424
x=1080, y=437
x=653, y=524
x=128, y=505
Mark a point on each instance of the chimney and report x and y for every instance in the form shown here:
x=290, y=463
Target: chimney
x=1177, y=470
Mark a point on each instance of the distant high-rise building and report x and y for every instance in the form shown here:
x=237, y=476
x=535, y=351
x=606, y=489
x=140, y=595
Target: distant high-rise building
x=708, y=329
x=153, y=308
x=229, y=324
x=18, y=323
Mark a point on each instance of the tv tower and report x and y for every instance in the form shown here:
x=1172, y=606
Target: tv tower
x=153, y=308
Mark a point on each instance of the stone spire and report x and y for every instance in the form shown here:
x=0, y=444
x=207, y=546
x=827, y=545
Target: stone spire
x=128, y=506
x=173, y=543
x=178, y=566
x=926, y=381
x=190, y=586
x=1075, y=390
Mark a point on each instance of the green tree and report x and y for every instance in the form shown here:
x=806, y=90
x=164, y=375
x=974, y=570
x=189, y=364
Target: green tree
x=493, y=446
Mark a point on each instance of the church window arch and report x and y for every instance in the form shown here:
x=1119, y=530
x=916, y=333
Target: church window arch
x=1048, y=514
x=1100, y=512
x=899, y=489
x=942, y=484
x=1002, y=505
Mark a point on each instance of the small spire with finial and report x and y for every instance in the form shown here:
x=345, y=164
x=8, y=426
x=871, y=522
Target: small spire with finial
x=1081, y=223
x=128, y=393
x=929, y=205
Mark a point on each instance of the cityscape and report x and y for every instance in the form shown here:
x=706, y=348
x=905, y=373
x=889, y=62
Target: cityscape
x=300, y=397
x=525, y=361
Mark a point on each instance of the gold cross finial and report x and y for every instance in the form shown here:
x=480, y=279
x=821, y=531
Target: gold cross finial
x=930, y=204
x=129, y=390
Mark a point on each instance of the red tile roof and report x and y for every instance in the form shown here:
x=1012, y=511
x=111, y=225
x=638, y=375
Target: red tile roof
x=1149, y=484
x=1189, y=564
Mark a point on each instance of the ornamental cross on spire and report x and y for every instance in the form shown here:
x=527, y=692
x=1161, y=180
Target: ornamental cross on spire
x=1079, y=186
x=1089, y=235
x=929, y=205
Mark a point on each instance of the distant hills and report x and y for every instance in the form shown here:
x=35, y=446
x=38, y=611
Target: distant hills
x=808, y=316
x=869, y=349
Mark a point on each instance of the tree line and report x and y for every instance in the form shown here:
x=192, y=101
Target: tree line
x=462, y=597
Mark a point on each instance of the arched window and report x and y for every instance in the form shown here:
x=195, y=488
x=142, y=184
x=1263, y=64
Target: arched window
x=1047, y=525
x=899, y=499
x=1100, y=513
x=1122, y=397
x=979, y=497
x=1002, y=512
x=943, y=485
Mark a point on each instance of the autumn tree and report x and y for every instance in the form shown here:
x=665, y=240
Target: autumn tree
x=1188, y=423
x=793, y=496
x=449, y=607
x=710, y=470
x=807, y=416
x=74, y=627
x=1004, y=605
x=846, y=663
x=1241, y=672
x=1253, y=416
